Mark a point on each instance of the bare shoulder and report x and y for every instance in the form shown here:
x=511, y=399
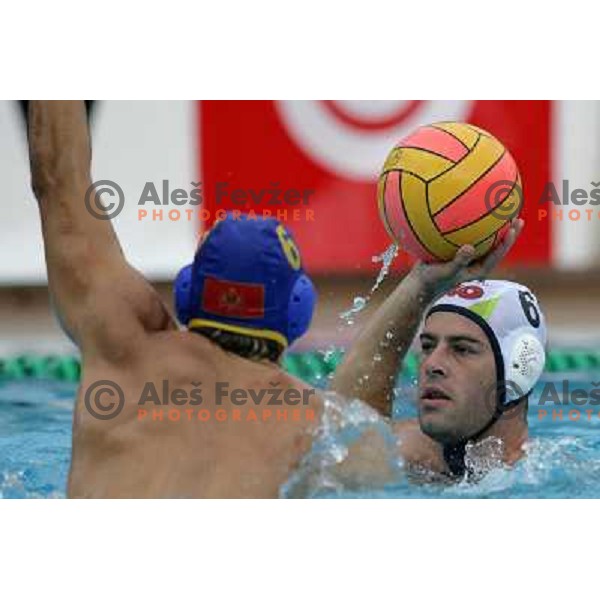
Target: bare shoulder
x=408, y=427
x=416, y=447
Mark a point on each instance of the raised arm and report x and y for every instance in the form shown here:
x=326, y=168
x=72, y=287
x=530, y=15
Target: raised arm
x=104, y=304
x=388, y=334
x=392, y=328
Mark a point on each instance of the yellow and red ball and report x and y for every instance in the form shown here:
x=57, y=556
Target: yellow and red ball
x=445, y=185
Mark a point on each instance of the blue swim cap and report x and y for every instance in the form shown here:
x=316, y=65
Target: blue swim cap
x=247, y=278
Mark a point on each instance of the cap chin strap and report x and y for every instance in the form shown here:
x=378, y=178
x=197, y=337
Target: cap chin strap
x=454, y=456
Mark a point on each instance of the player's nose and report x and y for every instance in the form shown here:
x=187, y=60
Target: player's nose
x=434, y=364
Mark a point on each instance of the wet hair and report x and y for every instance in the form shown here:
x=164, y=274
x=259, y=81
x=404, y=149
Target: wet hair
x=245, y=346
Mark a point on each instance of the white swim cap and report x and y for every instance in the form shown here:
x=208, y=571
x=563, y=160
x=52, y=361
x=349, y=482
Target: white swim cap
x=510, y=316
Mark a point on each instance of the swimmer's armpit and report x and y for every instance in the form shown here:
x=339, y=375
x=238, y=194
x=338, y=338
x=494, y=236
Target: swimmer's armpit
x=103, y=303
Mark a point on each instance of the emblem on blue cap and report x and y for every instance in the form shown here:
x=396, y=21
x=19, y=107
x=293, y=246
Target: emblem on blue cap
x=247, y=278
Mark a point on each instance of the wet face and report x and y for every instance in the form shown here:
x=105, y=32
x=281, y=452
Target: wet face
x=457, y=370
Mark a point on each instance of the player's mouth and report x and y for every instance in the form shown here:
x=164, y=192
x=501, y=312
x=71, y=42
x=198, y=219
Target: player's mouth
x=434, y=396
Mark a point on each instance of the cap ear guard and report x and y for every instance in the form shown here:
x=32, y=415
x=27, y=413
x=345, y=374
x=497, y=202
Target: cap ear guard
x=524, y=360
x=183, y=289
x=301, y=307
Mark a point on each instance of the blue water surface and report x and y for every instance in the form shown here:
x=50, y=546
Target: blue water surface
x=562, y=461
x=35, y=438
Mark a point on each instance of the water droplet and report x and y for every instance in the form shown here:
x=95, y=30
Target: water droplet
x=329, y=354
x=357, y=305
x=386, y=258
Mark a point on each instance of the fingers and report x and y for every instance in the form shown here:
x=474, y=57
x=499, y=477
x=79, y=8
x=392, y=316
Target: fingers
x=494, y=257
x=511, y=237
x=463, y=257
x=517, y=226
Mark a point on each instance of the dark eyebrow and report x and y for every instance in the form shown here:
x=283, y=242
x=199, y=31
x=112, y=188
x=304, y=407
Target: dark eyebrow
x=452, y=338
x=427, y=336
x=464, y=338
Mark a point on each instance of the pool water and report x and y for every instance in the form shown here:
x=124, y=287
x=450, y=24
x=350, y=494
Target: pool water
x=35, y=438
x=563, y=456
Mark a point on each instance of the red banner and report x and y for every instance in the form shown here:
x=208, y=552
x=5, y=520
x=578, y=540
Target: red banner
x=326, y=156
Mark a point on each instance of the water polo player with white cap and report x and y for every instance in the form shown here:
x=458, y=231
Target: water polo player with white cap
x=482, y=351
x=514, y=329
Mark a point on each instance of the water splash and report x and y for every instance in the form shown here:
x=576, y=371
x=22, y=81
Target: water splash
x=353, y=448
x=483, y=457
x=360, y=302
x=355, y=453
x=386, y=258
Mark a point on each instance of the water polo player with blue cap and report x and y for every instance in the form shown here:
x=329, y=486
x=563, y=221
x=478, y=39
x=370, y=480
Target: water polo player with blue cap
x=246, y=289
x=158, y=411
x=482, y=351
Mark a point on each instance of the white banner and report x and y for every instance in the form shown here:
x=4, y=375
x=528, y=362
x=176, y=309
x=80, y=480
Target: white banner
x=134, y=142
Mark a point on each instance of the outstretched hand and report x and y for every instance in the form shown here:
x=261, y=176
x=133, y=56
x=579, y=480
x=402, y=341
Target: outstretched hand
x=438, y=278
